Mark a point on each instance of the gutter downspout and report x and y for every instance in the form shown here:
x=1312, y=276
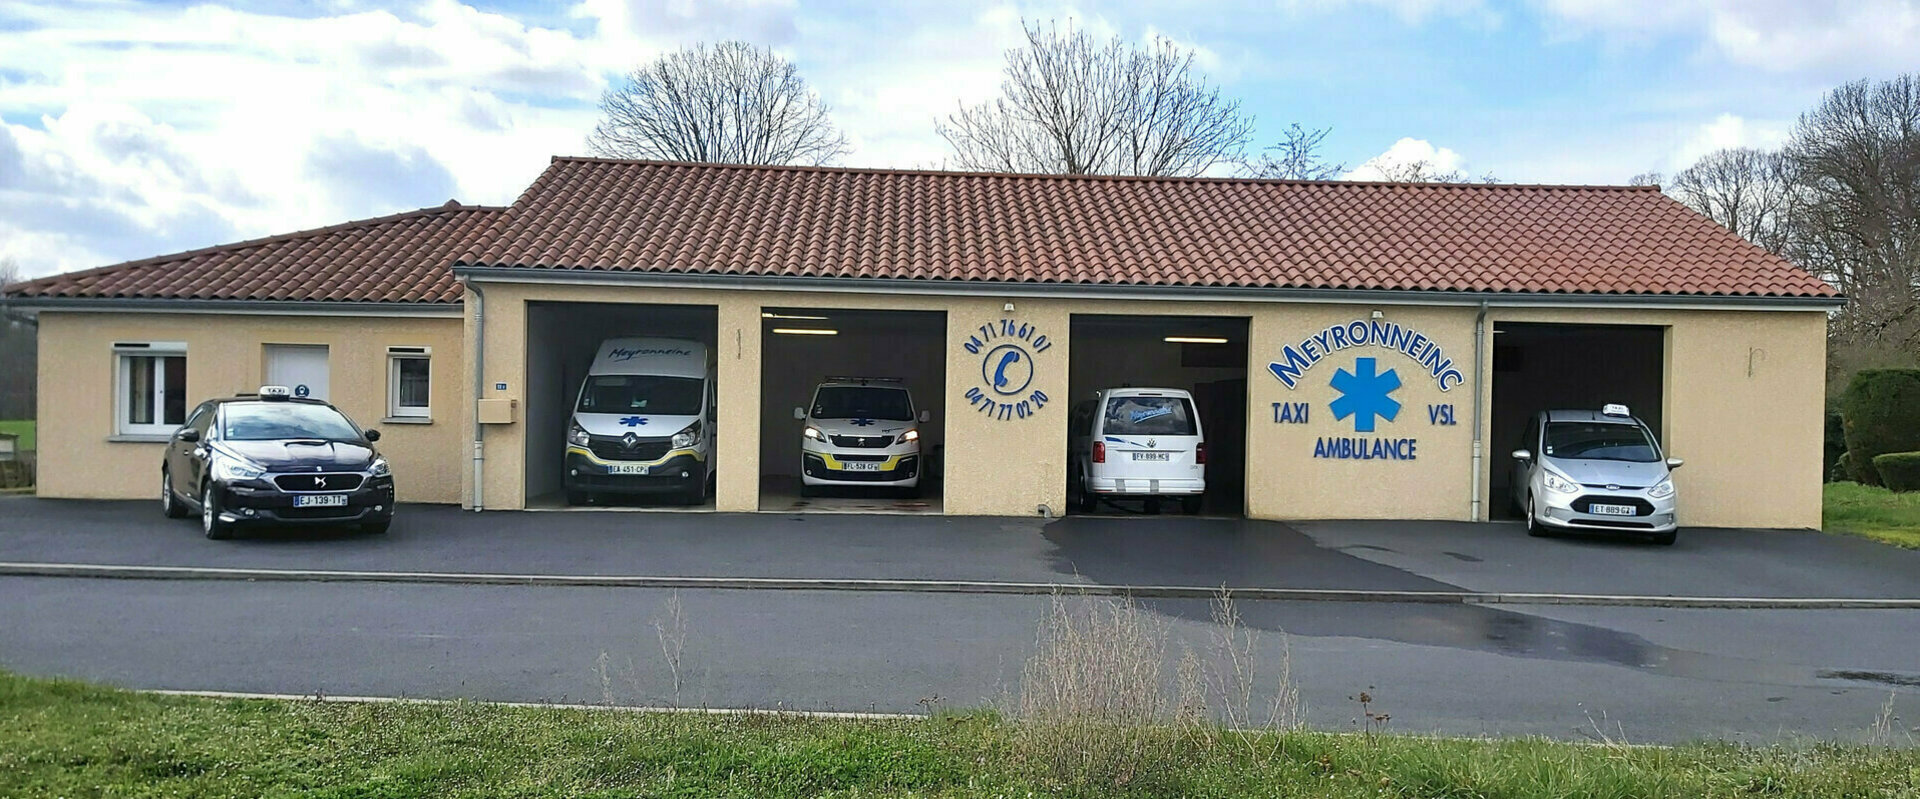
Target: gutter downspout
x=479, y=389
x=1479, y=375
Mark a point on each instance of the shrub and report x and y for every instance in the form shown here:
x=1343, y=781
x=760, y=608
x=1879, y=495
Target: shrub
x=1881, y=412
x=1900, y=470
x=1835, y=445
x=1842, y=469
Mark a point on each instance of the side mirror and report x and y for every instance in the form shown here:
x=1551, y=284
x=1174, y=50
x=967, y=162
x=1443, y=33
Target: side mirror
x=1522, y=455
x=1675, y=463
x=188, y=435
x=926, y=415
x=800, y=413
x=373, y=435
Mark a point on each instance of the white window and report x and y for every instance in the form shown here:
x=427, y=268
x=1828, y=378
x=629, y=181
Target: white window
x=150, y=387
x=409, y=377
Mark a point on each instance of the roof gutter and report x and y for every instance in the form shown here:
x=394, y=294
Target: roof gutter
x=974, y=288
x=251, y=307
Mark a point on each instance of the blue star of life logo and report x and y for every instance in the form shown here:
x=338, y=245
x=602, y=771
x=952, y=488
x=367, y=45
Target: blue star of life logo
x=633, y=421
x=1363, y=394
x=862, y=422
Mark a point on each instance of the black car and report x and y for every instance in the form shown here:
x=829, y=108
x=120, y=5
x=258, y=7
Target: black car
x=270, y=459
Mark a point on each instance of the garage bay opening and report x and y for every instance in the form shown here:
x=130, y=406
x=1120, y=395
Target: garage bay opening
x=621, y=403
x=1158, y=415
x=1545, y=367
x=852, y=410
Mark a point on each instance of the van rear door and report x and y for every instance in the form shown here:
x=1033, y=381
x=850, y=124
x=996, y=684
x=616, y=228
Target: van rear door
x=1150, y=436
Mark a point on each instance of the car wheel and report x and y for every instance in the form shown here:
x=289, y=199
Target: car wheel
x=578, y=497
x=1190, y=505
x=1665, y=539
x=210, y=517
x=1089, y=501
x=1534, y=527
x=170, y=504
x=809, y=491
x=695, y=494
x=378, y=528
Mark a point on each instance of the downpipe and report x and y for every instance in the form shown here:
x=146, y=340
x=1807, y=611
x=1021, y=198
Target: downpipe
x=1479, y=387
x=479, y=390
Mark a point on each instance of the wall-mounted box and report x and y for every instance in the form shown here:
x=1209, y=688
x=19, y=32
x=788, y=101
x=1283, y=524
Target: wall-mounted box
x=497, y=411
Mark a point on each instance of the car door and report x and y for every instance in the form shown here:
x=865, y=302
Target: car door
x=180, y=470
x=1522, y=475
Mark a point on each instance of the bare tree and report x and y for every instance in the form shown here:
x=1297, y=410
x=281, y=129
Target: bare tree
x=726, y=103
x=1855, y=163
x=1071, y=105
x=1296, y=157
x=1425, y=171
x=1747, y=191
x=1646, y=179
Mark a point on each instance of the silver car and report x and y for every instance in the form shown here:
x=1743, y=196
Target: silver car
x=1594, y=470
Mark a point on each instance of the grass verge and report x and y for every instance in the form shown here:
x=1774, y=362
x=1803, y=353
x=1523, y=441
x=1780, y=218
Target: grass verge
x=1872, y=512
x=68, y=739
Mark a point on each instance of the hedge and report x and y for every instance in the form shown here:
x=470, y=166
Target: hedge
x=1834, y=446
x=1881, y=410
x=1900, y=470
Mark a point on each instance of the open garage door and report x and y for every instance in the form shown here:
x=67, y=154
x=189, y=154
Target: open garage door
x=1203, y=355
x=852, y=410
x=563, y=340
x=1541, y=367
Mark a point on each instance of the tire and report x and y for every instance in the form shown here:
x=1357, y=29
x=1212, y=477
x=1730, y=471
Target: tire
x=911, y=492
x=695, y=494
x=1089, y=501
x=1191, y=505
x=377, y=528
x=809, y=491
x=1665, y=539
x=1535, y=528
x=577, y=497
x=170, y=504
x=210, y=516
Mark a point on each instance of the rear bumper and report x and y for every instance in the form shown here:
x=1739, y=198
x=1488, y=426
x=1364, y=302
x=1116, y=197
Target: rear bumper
x=676, y=473
x=249, y=505
x=1145, y=487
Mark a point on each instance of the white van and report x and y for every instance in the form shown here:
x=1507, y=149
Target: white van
x=860, y=431
x=1137, y=443
x=643, y=422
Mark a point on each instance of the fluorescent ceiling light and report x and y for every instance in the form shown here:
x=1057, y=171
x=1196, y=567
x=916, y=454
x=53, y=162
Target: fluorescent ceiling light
x=765, y=315
x=1195, y=340
x=805, y=331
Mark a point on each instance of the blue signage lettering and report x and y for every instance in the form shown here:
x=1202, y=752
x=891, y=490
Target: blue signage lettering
x=1296, y=359
x=1365, y=449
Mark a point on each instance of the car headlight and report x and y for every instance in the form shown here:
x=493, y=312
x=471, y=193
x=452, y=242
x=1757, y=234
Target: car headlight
x=1561, y=484
x=576, y=436
x=235, y=469
x=1662, y=490
x=688, y=437
x=910, y=435
x=813, y=433
x=380, y=468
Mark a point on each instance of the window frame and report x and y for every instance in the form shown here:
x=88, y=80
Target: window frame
x=124, y=355
x=416, y=414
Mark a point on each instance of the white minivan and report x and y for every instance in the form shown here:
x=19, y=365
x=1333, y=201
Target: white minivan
x=643, y=422
x=860, y=432
x=1138, y=443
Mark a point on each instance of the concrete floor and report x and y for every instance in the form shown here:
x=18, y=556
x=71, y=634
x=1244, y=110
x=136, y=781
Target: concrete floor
x=782, y=495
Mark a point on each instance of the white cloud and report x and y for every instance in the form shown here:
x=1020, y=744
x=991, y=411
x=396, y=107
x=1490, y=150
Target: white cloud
x=1724, y=132
x=1410, y=12
x=1773, y=35
x=1407, y=151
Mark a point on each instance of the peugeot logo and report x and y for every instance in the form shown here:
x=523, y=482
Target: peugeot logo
x=630, y=440
x=320, y=481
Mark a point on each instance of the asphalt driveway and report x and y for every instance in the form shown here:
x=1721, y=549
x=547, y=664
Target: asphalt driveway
x=1164, y=550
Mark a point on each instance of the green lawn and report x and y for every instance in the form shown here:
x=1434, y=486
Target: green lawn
x=1873, y=512
x=71, y=740
x=22, y=428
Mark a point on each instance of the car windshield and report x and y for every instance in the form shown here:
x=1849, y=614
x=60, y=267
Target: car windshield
x=862, y=402
x=267, y=421
x=1149, y=416
x=666, y=396
x=1600, y=441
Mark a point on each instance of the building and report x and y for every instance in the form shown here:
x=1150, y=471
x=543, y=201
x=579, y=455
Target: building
x=1449, y=312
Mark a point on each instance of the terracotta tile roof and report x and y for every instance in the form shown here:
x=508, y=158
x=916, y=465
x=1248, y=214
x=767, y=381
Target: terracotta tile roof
x=600, y=214
x=402, y=258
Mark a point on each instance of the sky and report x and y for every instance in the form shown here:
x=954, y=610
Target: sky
x=136, y=129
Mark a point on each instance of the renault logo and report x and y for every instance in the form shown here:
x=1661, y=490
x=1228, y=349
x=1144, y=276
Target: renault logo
x=630, y=440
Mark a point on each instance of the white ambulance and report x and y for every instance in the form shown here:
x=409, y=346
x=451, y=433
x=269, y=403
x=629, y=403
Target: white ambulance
x=860, y=431
x=643, y=422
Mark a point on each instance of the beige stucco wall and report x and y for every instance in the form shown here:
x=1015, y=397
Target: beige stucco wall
x=225, y=356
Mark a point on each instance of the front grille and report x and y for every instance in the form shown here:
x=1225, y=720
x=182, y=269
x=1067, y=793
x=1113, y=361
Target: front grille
x=341, y=512
x=862, y=442
x=1641, y=507
x=1611, y=486
x=815, y=467
x=614, y=448
x=860, y=458
x=319, y=481
x=1607, y=523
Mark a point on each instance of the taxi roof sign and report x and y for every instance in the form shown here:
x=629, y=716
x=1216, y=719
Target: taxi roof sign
x=1614, y=409
x=275, y=392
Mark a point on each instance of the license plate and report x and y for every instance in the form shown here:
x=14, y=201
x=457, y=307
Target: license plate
x=626, y=468
x=1612, y=510
x=1151, y=456
x=859, y=466
x=319, y=500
